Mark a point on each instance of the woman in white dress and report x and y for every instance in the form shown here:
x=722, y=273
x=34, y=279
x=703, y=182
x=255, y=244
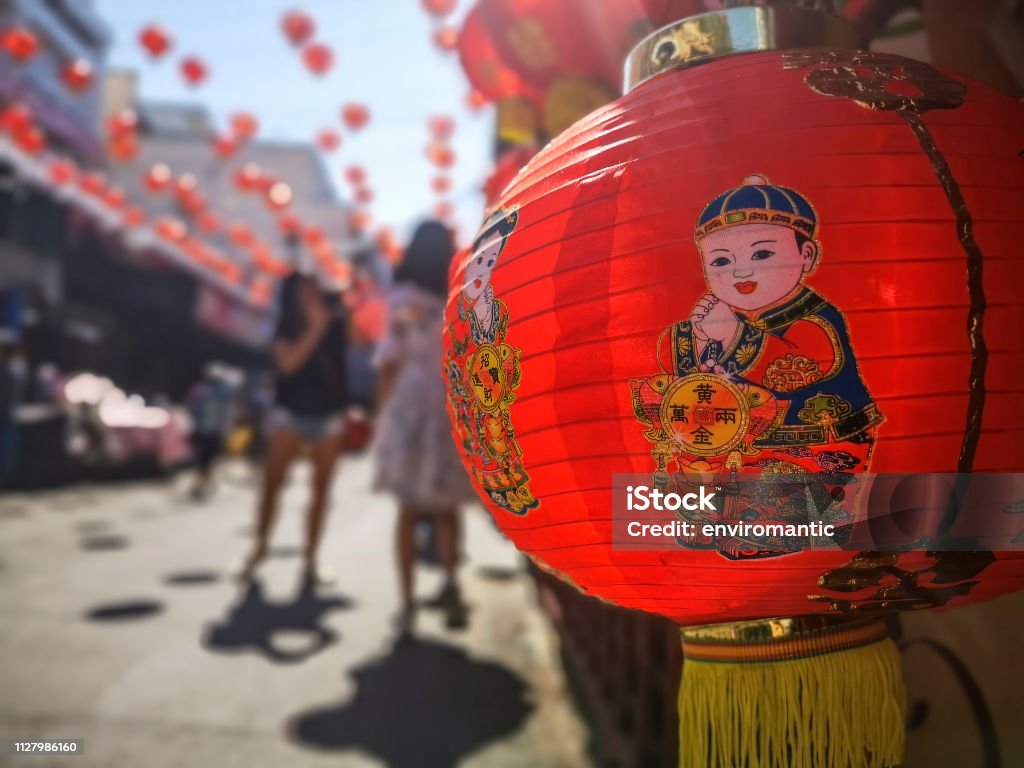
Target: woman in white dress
x=416, y=458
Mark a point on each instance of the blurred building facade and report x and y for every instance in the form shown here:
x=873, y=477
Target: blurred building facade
x=67, y=31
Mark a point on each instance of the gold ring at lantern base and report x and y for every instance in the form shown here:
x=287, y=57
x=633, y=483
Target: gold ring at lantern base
x=780, y=639
x=705, y=414
x=697, y=39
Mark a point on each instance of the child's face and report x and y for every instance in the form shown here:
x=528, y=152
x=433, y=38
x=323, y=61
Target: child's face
x=755, y=265
x=480, y=266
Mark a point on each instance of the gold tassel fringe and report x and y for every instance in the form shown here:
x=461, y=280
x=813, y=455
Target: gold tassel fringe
x=827, y=709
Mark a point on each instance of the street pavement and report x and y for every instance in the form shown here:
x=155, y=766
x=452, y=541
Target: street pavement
x=119, y=625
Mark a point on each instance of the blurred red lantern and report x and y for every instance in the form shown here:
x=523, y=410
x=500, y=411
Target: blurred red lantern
x=244, y=126
x=360, y=220
x=363, y=195
x=387, y=244
x=476, y=100
x=208, y=222
x=122, y=123
x=355, y=175
x=439, y=8
x=261, y=290
x=288, y=224
x=370, y=317
x=123, y=148
x=441, y=127
x=93, y=183
x=132, y=217
x=298, y=27
x=492, y=79
x=249, y=177
x=318, y=58
x=440, y=154
x=193, y=70
x=192, y=202
x=446, y=38
x=338, y=271
x=355, y=116
x=155, y=40
x=444, y=210
x=542, y=41
x=30, y=140
x=224, y=146
x=323, y=252
x=279, y=195
x=77, y=74
x=240, y=235
x=62, y=171
x=114, y=197
x=169, y=229
x=441, y=184
x=186, y=183
x=15, y=118
x=19, y=43
x=314, y=236
x=157, y=177
x=328, y=140
x=230, y=271
x=883, y=202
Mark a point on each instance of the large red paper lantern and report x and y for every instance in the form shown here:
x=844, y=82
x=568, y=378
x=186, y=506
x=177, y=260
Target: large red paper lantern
x=155, y=40
x=298, y=27
x=318, y=58
x=661, y=269
x=508, y=165
x=19, y=43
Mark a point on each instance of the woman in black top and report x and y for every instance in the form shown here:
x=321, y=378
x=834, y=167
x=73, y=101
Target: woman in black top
x=308, y=352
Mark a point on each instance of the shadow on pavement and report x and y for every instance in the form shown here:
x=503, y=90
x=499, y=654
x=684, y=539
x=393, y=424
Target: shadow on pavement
x=426, y=705
x=125, y=611
x=254, y=623
x=191, y=578
x=103, y=543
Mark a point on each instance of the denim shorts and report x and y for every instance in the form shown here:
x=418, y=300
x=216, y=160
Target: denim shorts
x=311, y=427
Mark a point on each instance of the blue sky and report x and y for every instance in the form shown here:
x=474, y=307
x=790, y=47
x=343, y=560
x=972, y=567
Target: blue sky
x=384, y=57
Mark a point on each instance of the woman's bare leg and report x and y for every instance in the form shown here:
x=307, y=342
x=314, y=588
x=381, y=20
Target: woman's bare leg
x=282, y=447
x=325, y=458
x=405, y=541
x=446, y=524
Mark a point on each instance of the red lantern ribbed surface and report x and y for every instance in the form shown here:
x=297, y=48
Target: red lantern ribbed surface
x=589, y=260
